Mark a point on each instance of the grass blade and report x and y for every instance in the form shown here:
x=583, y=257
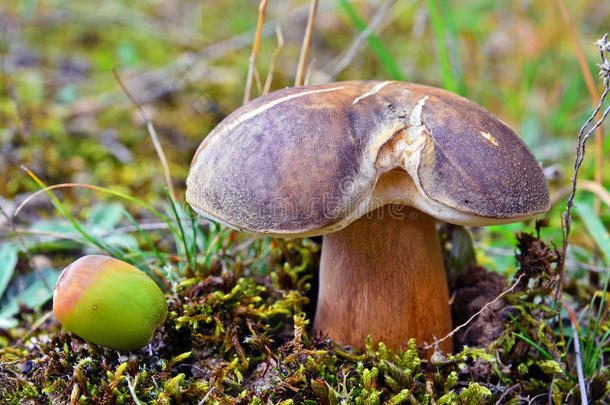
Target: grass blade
x=181, y=234
x=600, y=235
x=523, y=335
x=453, y=48
x=108, y=191
x=145, y=236
x=58, y=205
x=436, y=19
x=535, y=345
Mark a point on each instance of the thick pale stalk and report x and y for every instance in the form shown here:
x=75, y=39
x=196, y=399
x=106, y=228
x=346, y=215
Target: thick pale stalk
x=383, y=275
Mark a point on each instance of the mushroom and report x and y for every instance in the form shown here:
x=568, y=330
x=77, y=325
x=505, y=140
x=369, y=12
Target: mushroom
x=370, y=165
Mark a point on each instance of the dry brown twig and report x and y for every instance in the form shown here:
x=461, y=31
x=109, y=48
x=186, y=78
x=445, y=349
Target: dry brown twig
x=587, y=185
x=276, y=54
x=153, y=136
x=593, y=93
x=50, y=234
x=585, y=132
x=301, y=67
x=257, y=40
x=309, y=70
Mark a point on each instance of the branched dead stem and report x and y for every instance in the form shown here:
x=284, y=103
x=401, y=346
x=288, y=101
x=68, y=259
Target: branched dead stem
x=593, y=93
x=585, y=132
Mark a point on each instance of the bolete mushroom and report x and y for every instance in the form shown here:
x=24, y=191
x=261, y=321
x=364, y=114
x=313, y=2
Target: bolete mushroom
x=369, y=165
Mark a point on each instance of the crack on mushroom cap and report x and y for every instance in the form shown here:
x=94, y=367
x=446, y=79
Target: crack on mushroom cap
x=308, y=161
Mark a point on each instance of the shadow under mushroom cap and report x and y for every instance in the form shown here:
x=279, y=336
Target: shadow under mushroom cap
x=307, y=161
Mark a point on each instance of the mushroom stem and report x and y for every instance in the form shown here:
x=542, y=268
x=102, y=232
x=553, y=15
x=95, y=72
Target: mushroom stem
x=383, y=275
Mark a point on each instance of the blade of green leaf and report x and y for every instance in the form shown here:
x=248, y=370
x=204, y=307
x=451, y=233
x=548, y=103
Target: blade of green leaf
x=104, y=216
x=544, y=353
x=182, y=235
x=34, y=295
x=145, y=236
x=453, y=46
x=436, y=19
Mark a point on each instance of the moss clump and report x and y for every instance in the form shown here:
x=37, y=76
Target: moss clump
x=233, y=336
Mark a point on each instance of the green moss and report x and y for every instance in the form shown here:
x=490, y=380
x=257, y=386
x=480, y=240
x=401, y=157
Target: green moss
x=235, y=337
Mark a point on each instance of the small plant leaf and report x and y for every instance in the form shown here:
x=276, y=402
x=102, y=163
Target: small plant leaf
x=105, y=216
x=33, y=296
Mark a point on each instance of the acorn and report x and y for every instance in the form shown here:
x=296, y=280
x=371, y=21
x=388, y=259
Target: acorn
x=109, y=302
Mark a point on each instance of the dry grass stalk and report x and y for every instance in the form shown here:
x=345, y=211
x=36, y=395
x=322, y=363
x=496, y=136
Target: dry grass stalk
x=302, y=66
x=257, y=40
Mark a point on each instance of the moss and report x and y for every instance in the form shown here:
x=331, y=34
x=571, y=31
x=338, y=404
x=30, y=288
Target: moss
x=237, y=337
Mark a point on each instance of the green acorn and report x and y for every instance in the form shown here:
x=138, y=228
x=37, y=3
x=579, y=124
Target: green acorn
x=108, y=302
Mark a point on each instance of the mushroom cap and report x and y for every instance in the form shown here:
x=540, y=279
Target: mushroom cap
x=309, y=160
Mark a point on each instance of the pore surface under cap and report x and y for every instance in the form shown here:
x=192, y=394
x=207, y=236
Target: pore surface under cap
x=305, y=161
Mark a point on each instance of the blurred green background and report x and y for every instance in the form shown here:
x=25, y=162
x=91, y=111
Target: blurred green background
x=63, y=115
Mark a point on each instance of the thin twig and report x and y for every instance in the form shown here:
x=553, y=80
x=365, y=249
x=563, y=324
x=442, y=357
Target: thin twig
x=580, y=155
x=276, y=54
x=257, y=40
x=259, y=83
x=150, y=226
x=309, y=70
x=345, y=59
x=583, y=135
x=506, y=393
x=581, y=377
x=587, y=185
x=301, y=67
x=593, y=93
x=453, y=332
x=56, y=235
x=153, y=136
x=46, y=189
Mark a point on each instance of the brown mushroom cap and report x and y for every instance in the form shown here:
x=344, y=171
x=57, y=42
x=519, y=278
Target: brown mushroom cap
x=310, y=160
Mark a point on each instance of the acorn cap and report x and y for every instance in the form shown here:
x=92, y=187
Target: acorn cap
x=310, y=160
